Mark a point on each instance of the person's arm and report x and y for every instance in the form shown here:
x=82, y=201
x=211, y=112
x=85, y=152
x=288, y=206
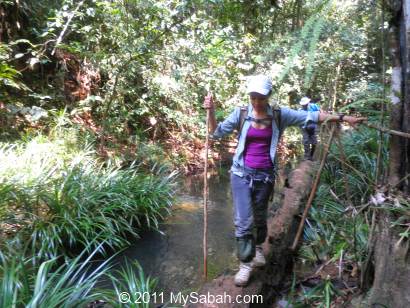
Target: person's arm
x=324, y=116
x=224, y=128
x=291, y=117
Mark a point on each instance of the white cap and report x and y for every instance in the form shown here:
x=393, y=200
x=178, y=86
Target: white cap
x=259, y=84
x=304, y=101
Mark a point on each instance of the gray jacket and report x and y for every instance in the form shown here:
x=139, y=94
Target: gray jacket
x=289, y=117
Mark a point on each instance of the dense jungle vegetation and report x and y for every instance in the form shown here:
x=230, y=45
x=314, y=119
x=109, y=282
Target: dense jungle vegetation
x=101, y=105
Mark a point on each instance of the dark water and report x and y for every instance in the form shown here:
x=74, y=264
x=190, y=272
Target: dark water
x=175, y=257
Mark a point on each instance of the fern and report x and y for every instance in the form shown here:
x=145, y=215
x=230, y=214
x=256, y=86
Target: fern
x=317, y=30
x=309, y=35
x=8, y=75
x=297, y=48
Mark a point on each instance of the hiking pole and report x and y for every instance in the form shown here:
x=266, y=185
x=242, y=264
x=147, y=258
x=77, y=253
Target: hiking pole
x=314, y=188
x=205, y=236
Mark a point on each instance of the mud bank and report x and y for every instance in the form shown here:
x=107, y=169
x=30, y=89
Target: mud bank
x=282, y=228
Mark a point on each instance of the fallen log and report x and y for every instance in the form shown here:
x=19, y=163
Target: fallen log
x=282, y=227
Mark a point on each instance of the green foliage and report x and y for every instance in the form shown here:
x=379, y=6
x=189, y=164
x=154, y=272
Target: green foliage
x=305, y=61
x=310, y=34
x=139, y=287
x=8, y=74
x=49, y=284
x=316, y=31
x=30, y=282
x=63, y=198
x=366, y=96
x=321, y=295
x=59, y=199
x=333, y=224
x=102, y=205
x=157, y=59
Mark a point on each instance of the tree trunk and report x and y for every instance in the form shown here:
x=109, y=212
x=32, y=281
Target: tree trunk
x=397, y=108
x=298, y=14
x=335, y=84
x=405, y=168
x=391, y=286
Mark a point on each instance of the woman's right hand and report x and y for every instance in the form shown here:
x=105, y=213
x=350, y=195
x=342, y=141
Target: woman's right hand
x=209, y=102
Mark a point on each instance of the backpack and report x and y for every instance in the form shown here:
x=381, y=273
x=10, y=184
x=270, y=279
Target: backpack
x=310, y=128
x=277, y=115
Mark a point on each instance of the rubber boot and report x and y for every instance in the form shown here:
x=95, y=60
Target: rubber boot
x=245, y=248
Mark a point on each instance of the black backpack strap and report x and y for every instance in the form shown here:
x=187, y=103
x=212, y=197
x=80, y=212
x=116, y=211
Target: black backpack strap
x=243, y=116
x=277, y=114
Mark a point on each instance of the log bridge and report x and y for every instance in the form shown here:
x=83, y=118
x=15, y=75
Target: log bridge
x=282, y=228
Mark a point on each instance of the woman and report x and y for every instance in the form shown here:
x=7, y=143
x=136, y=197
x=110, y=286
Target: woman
x=252, y=171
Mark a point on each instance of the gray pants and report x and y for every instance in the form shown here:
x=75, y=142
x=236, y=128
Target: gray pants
x=251, y=195
x=309, y=143
x=309, y=138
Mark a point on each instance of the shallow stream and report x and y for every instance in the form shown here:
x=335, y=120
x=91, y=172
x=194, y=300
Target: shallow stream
x=175, y=257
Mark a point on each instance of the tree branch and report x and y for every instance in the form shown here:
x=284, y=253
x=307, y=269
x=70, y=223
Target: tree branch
x=60, y=37
x=390, y=131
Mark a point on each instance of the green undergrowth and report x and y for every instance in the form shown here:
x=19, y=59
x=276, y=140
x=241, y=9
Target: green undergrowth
x=64, y=199
x=335, y=223
x=27, y=281
x=337, y=228
x=61, y=207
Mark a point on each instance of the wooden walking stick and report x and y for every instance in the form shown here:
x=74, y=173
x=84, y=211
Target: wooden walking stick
x=205, y=236
x=313, y=191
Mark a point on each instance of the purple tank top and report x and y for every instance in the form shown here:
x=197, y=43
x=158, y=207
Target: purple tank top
x=257, y=148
